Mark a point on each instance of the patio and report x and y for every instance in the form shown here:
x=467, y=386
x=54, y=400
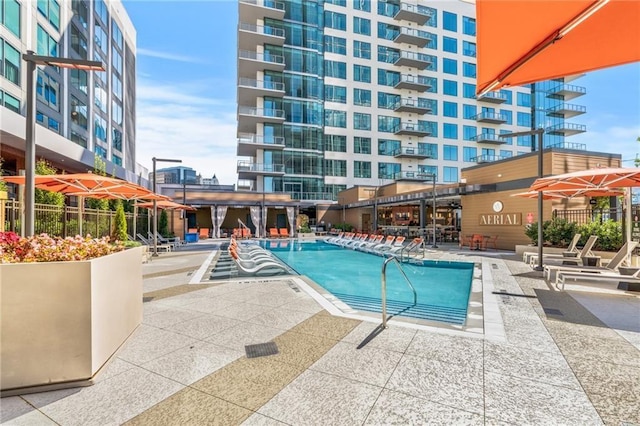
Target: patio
x=549, y=357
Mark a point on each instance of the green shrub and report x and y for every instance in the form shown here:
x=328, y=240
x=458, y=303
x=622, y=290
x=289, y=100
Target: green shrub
x=559, y=232
x=120, y=233
x=131, y=244
x=343, y=227
x=609, y=234
x=163, y=224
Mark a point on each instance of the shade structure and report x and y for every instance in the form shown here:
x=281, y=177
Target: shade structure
x=521, y=42
x=166, y=204
x=558, y=195
x=592, y=179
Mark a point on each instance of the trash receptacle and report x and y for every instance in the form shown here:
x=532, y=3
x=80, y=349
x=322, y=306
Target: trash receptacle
x=191, y=237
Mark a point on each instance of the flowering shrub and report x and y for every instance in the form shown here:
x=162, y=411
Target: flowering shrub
x=43, y=248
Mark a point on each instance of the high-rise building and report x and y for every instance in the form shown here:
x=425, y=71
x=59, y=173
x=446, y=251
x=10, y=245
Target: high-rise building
x=177, y=174
x=79, y=114
x=338, y=93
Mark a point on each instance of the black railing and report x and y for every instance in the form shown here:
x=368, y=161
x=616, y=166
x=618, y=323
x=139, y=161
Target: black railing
x=590, y=215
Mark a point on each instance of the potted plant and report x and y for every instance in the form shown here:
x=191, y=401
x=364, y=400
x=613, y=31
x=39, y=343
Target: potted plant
x=66, y=306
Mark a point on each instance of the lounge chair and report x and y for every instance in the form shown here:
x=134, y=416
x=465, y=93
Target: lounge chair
x=164, y=247
x=284, y=232
x=387, y=243
x=413, y=245
x=204, y=233
x=398, y=243
x=332, y=240
x=611, y=266
x=373, y=240
x=268, y=267
x=527, y=256
x=567, y=261
x=356, y=241
x=273, y=233
x=597, y=276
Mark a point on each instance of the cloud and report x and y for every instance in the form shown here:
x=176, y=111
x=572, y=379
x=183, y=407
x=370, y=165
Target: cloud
x=200, y=131
x=615, y=139
x=168, y=56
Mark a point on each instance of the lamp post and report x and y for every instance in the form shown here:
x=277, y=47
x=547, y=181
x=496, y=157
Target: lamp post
x=29, y=140
x=540, y=146
x=432, y=177
x=155, y=202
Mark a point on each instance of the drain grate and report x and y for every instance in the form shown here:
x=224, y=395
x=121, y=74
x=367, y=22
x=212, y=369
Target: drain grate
x=261, y=349
x=553, y=311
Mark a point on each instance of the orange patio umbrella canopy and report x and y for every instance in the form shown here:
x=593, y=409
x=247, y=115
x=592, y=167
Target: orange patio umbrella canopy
x=564, y=194
x=521, y=42
x=587, y=180
x=166, y=204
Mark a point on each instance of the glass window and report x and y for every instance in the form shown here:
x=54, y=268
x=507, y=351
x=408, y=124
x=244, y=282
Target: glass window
x=509, y=141
x=342, y=3
x=10, y=16
x=508, y=95
x=469, y=69
x=79, y=42
x=469, y=154
x=449, y=66
x=430, y=126
x=388, y=54
x=79, y=79
x=449, y=21
x=335, y=168
x=361, y=145
x=100, y=128
x=100, y=97
x=469, y=49
x=508, y=115
x=362, y=97
x=388, y=100
x=450, y=131
x=361, y=169
x=116, y=139
x=388, y=146
x=450, y=87
x=364, y=5
x=450, y=174
x=506, y=154
x=469, y=111
x=100, y=151
x=524, y=140
x=361, y=49
x=335, y=20
x=79, y=112
x=468, y=132
x=428, y=170
x=116, y=85
x=116, y=60
x=524, y=119
x=361, y=121
x=388, y=78
x=10, y=65
x=361, y=26
x=524, y=99
x=11, y=102
x=469, y=90
x=47, y=90
x=450, y=44
x=362, y=73
x=335, y=69
x=116, y=113
x=115, y=159
x=116, y=34
x=81, y=11
x=101, y=10
x=388, y=8
x=335, y=93
x=450, y=152
x=335, y=45
x=388, y=124
x=334, y=118
x=468, y=26
x=387, y=31
x=388, y=170
x=47, y=46
x=431, y=148
x=101, y=40
x=50, y=9
x=335, y=143
x=450, y=109
x=78, y=139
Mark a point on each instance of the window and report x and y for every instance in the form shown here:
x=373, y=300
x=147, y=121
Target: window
x=361, y=26
x=450, y=174
x=101, y=10
x=469, y=90
x=524, y=119
x=47, y=90
x=335, y=45
x=335, y=168
x=469, y=111
x=361, y=121
x=335, y=143
x=508, y=95
x=335, y=20
x=335, y=69
x=362, y=73
x=450, y=44
x=81, y=11
x=100, y=97
x=449, y=66
x=387, y=31
x=388, y=146
x=388, y=78
x=469, y=69
x=10, y=65
x=362, y=97
x=388, y=124
x=506, y=154
x=115, y=159
x=361, y=49
x=469, y=49
x=469, y=132
x=50, y=123
x=388, y=100
x=50, y=9
x=429, y=126
x=469, y=154
x=116, y=60
x=116, y=139
x=79, y=112
x=10, y=102
x=100, y=128
x=450, y=152
x=116, y=113
x=79, y=79
x=524, y=99
x=509, y=141
x=342, y=3
x=116, y=34
x=78, y=139
x=431, y=148
x=47, y=46
x=450, y=109
x=361, y=169
x=361, y=145
x=387, y=54
x=508, y=115
x=450, y=131
x=334, y=118
x=100, y=38
x=450, y=87
x=10, y=16
x=100, y=151
x=429, y=170
x=388, y=170
x=335, y=94
x=449, y=21
x=468, y=26
x=78, y=42
x=364, y=5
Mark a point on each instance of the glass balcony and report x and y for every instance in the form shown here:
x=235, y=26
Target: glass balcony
x=567, y=110
x=413, y=60
x=250, y=62
x=569, y=145
x=417, y=176
x=249, y=144
x=419, y=106
x=412, y=129
x=247, y=169
x=253, y=10
x=487, y=158
x=490, y=117
x=249, y=117
x=412, y=13
x=413, y=36
x=566, y=129
x=245, y=184
x=412, y=152
x=493, y=97
x=250, y=89
x=250, y=36
x=313, y=196
x=489, y=138
x=568, y=91
x=414, y=82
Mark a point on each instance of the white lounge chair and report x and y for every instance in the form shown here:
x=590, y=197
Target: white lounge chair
x=549, y=268
x=532, y=258
x=563, y=276
x=266, y=266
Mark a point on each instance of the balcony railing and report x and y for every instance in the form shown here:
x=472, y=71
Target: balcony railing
x=272, y=4
x=412, y=129
x=412, y=36
x=260, y=139
x=259, y=84
x=567, y=110
x=493, y=97
x=262, y=29
x=413, y=59
x=247, y=166
x=410, y=175
x=488, y=138
x=567, y=128
x=414, y=82
x=487, y=158
x=261, y=112
x=412, y=152
x=413, y=13
x=263, y=57
x=490, y=117
x=324, y=196
x=569, y=145
x=569, y=91
x=422, y=106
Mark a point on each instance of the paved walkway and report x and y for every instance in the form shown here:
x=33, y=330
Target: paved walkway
x=562, y=358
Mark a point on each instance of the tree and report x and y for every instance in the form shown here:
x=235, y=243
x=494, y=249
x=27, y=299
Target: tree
x=120, y=232
x=47, y=197
x=637, y=160
x=99, y=168
x=163, y=224
x=3, y=184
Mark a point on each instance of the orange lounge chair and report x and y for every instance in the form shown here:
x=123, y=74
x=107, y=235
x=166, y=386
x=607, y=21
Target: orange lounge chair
x=284, y=232
x=273, y=233
x=204, y=232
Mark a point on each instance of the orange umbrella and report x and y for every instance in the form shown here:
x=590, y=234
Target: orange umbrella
x=592, y=179
x=556, y=195
x=521, y=42
x=166, y=204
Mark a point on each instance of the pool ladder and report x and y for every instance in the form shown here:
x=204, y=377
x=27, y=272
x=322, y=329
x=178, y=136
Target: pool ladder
x=383, y=292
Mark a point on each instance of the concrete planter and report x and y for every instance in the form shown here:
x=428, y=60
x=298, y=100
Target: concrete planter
x=61, y=322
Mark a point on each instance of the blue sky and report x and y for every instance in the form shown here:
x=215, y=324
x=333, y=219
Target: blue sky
x=187, y=90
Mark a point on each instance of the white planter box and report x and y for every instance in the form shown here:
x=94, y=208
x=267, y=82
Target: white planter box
x=60, y=322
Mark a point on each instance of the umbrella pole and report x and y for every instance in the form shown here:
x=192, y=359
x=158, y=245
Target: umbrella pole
x=80, y=215
x=627, y=219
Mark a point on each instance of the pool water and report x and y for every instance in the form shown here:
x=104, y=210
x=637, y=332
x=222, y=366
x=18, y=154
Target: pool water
x=442, y=287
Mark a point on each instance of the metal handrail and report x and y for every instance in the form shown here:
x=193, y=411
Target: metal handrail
x=383, y=290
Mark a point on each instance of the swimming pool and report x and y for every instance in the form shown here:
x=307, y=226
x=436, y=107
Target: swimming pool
x=442, y=287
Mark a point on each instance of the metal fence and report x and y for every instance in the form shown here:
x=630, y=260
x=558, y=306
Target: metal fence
x=62, y=221
x=591, y=215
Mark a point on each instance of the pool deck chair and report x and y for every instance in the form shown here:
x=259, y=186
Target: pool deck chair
x=165, y=247
x=398, y=243
x=563, y=276
x=531, y=257
x=273, y=233
x=266, y=267
x=611, y=266
x=549, y=268
x=284, y=233
x=388, y=242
